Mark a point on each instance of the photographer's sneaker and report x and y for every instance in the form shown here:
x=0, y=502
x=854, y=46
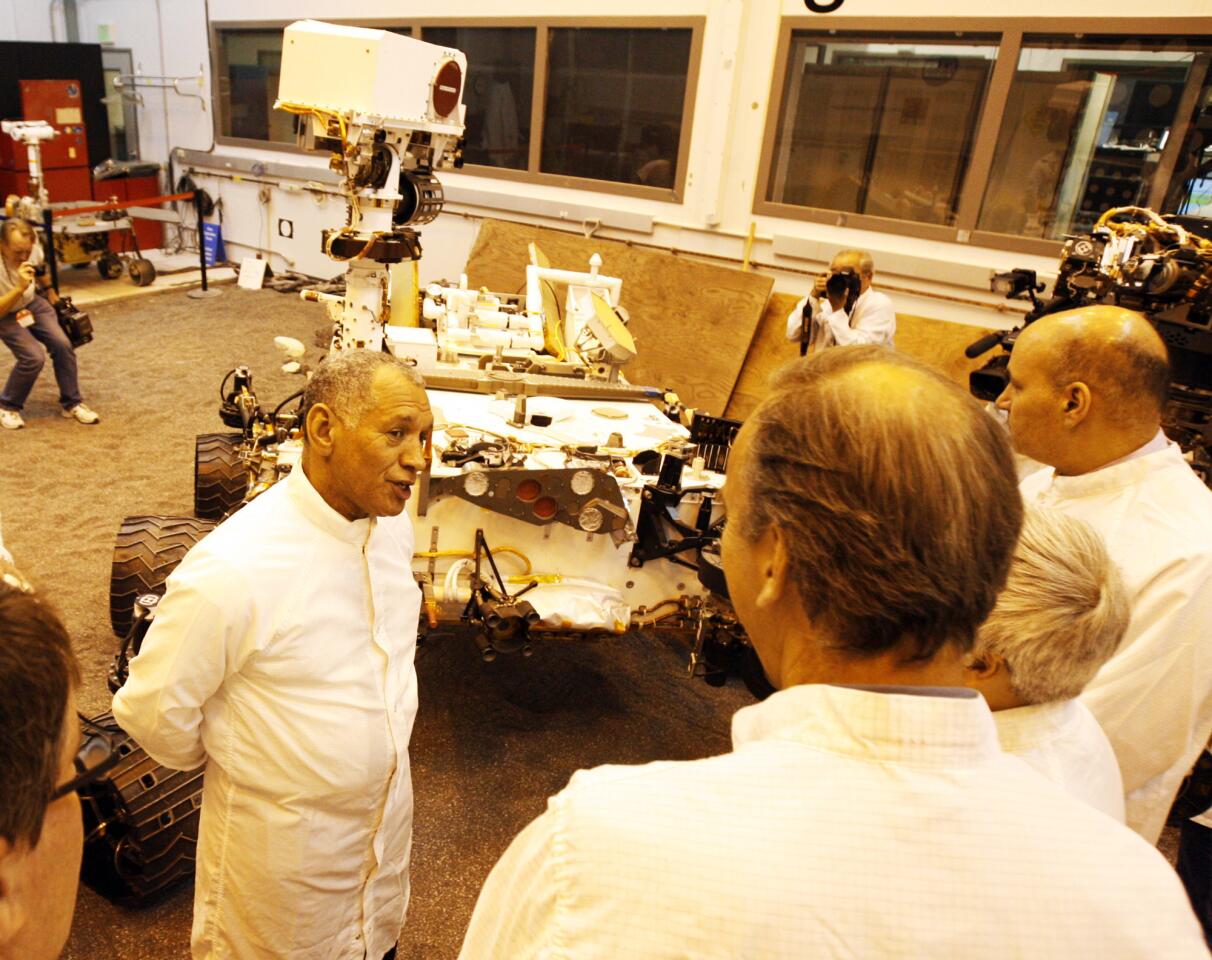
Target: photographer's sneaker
x=10, y=419
x=82, y=413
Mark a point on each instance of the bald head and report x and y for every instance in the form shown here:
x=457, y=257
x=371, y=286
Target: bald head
x=1116, y=351
x=1087, y=387
x=896, y=494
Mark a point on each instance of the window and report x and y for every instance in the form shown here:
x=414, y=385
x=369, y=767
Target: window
x=1091, y=124
x=879, y=125
x=984, y=131
x=499, y=92
x=555, y=102
x=614, y=105
x=250, y=62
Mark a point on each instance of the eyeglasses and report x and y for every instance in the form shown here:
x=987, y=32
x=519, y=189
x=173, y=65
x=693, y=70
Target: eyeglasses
x=95, y=758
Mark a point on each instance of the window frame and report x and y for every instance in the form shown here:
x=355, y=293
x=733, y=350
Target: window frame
x=1010, y=34
x=541, y=27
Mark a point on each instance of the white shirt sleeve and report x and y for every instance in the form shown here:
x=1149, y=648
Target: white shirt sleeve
x=875, y=322
x=4, y=554
x=516, y=913
x=199, y=637
x=795, y=320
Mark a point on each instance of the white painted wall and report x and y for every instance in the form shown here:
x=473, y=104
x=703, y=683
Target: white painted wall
x=739, y=46
x=23, y=20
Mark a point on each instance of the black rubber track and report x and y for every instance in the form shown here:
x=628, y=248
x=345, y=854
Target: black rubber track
x=145, y=553
x=220, y=477
x=152, y=817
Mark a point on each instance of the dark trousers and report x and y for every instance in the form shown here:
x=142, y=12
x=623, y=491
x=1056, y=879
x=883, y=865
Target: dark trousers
x=24, y=344
x=1195, y=867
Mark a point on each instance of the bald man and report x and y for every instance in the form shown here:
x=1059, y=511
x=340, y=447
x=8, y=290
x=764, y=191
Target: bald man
x=831, y=321
x=1086, y=394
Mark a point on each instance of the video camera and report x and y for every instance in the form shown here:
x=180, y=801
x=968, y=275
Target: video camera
x=74, y=321
x=1158, y=265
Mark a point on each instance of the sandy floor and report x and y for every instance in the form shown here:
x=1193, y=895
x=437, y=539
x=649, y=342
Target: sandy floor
x=491, y=741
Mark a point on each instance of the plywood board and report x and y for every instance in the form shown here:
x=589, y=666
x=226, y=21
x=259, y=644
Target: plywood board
x=936, y=342
x=692, y=322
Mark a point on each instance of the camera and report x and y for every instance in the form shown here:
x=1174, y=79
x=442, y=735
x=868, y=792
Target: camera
x=844, y=283
x=40, y=270
x=74, y=321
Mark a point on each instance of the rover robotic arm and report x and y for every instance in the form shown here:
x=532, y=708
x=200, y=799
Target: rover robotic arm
x=389, y=109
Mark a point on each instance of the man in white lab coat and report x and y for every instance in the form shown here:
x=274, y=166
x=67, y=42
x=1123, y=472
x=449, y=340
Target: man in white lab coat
x=842, y=308
x=867, y=809
x=282, y=657
x=1086, y=393
x=1059, y=618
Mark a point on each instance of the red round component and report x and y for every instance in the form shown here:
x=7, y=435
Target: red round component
x=528, y=490
x=546, y=508
x=447, y=86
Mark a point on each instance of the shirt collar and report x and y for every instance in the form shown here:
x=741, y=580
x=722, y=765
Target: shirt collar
x=1125, y=472
x=921, y=725
x=315, y=508
x=1024, y=728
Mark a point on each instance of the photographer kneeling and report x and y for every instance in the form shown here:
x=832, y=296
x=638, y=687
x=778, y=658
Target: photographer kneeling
x=27, y=318
x=842, y=308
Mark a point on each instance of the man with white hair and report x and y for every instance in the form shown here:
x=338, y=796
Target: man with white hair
x=1059, y=618
x=842, y=309
x=282, y=657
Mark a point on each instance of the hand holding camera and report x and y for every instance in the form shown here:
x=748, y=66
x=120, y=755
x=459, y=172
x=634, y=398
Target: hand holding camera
x=27, y=271
x=842, y=287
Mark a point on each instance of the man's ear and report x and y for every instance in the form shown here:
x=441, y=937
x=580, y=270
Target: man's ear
x=773, y=563
x=12, y=912
x=984, y=666
x=320, y=427
x=1076, y=399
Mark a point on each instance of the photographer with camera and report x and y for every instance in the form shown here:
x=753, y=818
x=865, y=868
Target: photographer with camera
x=842, y=308
x=27, y=319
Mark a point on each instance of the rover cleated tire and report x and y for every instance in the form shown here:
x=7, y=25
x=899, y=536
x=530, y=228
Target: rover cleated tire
x=145, y=553
x=140, y=822
x=220, y=477
x=143, y=272
x=109, y=266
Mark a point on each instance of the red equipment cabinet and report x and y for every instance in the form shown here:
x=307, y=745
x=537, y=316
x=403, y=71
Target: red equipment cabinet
x=64, y=158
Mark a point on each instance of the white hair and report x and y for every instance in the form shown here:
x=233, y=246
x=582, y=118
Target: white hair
x=1063, y=611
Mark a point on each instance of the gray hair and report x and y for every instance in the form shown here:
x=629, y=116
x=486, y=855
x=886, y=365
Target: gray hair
x=897, y=494
x=343, y=382
x=1063, y=611
x=866, y=263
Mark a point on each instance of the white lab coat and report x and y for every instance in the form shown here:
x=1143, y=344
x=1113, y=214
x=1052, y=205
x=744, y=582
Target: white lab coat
x=282, y=657
x=1154, y=696
x=874, y=321
x=1063, y=742
x=847, y=822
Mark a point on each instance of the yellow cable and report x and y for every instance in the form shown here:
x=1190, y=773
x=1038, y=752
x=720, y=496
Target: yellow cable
x=433, y=554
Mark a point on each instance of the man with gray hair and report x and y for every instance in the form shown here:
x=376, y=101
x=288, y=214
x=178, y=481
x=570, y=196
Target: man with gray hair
x=842, y=308
x=1059, y=618
x=866, y=809
x=30, y=329
x=281, y=657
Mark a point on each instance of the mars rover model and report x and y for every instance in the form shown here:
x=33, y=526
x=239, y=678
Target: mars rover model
x=561, y=500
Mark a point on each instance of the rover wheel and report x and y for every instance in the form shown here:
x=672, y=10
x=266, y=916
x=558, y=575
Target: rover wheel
x=143, y=272
x=220, y=477
x=145, y=553
x=109, y=266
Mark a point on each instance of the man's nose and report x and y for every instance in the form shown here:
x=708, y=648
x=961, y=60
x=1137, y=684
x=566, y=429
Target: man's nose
x=1003, y=400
